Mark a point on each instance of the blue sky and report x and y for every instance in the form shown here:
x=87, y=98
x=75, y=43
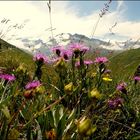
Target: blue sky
x=132, y=10
x=71, y=17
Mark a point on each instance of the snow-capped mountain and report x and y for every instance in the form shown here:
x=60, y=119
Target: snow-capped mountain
x=34, y=44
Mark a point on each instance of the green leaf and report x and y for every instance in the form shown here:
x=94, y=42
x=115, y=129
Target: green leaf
x=61, y=126
x=51, y=119
x=70, y=120
x=6, y=112
x=4, y=102
x=72, y=115
x=56, y=115
x=136, y=138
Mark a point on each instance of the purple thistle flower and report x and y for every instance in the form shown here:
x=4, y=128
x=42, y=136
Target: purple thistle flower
x=40, y=57
x=66, y=54
x=122, y=87
x=137, y=78
x=114, y=103
x=58, y=49
x=101, y=60
x=111, y=104
x=7, y=77
x=86, y=62
x=78, y=47
x=61, y=52
x=32, y=85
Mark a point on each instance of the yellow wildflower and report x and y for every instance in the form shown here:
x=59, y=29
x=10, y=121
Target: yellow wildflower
x=107, y=79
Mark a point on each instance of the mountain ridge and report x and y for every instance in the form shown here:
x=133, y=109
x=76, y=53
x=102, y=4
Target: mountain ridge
x=32, y=45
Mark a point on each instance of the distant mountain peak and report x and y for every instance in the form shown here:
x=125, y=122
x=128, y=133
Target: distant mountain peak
x=38, y=44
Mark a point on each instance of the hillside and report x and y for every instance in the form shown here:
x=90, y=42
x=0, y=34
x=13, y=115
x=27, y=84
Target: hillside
x=124, y=64
x=11, y=57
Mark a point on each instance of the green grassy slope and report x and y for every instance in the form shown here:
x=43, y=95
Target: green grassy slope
x=11, y=57
x=125, y=63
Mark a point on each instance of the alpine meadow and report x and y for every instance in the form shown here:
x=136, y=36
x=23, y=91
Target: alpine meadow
x=69, y=86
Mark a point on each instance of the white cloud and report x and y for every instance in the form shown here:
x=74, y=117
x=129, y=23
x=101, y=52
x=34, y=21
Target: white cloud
x=64, y=18
x=128, y=28
x=120, y=4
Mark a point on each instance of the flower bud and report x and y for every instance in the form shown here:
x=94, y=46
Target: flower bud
x=94, y=94
x=68, y=87
x=51, y=135
x=28, y=94
x=84, y=125
x=133, y=125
